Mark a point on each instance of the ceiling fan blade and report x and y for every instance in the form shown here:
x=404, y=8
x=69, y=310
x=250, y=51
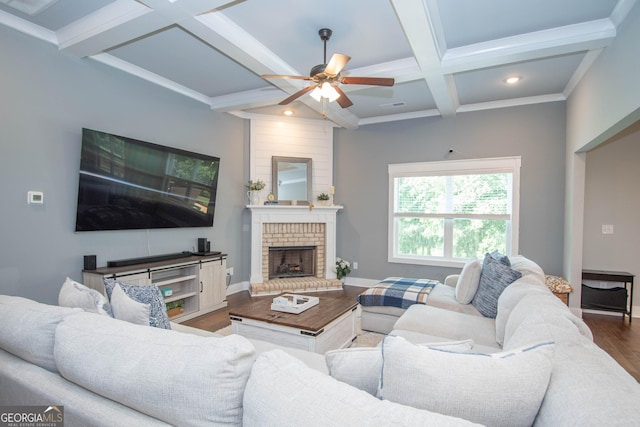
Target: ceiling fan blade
x=336, y=63
x=344, y=100
x=374, y=81
x=297, y=95
x=281, y=76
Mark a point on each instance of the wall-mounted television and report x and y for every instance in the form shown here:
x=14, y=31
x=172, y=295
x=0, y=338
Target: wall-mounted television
x=125, y=184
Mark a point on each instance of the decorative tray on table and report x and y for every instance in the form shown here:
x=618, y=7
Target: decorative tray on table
x=292, y=303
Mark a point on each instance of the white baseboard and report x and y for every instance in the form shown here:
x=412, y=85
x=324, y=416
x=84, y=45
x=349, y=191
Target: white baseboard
x=360, y=282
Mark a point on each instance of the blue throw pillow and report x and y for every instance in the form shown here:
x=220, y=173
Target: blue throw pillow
x=146, y=294
x=494, y=278
x=503, y=259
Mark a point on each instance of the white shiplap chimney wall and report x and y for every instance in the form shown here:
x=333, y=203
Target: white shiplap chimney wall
x=292, y=137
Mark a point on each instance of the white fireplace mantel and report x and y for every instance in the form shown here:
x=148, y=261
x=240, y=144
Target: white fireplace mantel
x=261, y=214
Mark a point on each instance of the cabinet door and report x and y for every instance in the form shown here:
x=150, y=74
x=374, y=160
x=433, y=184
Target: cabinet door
x=213, y=287
x=135, y=279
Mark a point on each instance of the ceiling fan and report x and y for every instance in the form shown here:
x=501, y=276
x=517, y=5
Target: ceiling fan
x=326, y=78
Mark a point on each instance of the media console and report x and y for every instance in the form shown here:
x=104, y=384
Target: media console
x=196, y=284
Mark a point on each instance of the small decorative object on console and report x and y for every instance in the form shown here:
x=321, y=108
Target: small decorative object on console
x=292, y=303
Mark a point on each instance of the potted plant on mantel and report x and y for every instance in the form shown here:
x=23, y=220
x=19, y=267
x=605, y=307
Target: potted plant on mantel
x=254, y=188
x=323, y=199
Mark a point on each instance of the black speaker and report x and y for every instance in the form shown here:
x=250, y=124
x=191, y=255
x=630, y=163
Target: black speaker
x=202, y=244
x=208, y=246
x=90, y=262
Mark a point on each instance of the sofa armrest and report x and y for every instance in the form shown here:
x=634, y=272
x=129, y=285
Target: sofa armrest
x=451, y=280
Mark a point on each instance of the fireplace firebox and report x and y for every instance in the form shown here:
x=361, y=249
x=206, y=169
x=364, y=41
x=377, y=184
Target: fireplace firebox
x=292, y=261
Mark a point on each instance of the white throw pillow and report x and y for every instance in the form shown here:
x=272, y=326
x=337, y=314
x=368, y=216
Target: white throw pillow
x=74, y=294
x=500, y=389
x=282, y=391
x=181, y=379
x=468, y=282
x=362, y=367
x=125, y=308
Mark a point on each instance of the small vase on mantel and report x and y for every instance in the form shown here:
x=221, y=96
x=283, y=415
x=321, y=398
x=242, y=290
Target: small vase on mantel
x=254, y=197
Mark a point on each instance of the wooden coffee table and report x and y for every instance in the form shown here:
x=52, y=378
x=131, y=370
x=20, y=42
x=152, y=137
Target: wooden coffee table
x=327, y=326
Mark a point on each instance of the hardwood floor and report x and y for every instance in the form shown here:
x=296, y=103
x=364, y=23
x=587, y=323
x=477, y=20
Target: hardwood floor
x=620, y=338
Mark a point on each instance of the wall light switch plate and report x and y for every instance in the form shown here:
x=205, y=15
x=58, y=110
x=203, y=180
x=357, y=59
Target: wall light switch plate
x=35, y=197
x=607, y=229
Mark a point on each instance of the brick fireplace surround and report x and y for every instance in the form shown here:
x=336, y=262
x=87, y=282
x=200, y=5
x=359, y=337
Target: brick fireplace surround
x=275, y=225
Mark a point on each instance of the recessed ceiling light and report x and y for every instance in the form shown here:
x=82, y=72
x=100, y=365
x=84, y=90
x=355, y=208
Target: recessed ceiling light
x=512, y=80
x=287, y=113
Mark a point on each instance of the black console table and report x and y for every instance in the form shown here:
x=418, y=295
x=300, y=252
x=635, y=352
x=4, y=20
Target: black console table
x=612, y=276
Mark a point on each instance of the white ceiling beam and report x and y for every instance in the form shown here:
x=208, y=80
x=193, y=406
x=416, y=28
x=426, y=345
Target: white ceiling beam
x=126, y=20
x=531, y=46
x=147, y=75
x=226, y=36
x=416, y=22
x=27, y=27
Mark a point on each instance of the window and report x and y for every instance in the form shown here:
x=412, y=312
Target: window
x=443, y=213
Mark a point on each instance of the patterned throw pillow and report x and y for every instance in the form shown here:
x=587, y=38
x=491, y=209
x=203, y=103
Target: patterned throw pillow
x=146, y=294
x=495, y=277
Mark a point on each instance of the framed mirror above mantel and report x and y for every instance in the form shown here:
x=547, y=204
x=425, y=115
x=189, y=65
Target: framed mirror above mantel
x=292, y=179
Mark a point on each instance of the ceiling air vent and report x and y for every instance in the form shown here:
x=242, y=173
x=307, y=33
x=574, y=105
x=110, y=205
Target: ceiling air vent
x=394, y=104
x=30, y=7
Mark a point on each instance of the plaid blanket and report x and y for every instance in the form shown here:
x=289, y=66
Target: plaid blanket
x=398, y=292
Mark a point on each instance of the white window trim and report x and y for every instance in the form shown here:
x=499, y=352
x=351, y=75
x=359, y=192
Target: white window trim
x=454, y=167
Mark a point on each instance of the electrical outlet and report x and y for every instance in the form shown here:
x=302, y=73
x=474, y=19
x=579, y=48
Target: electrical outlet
x=230, y=271
x=355, y=265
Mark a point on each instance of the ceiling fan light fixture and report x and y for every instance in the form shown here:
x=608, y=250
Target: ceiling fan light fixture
x=316, y=94
x=329, y=92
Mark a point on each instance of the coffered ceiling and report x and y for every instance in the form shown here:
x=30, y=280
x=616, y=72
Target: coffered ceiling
x=447, y=56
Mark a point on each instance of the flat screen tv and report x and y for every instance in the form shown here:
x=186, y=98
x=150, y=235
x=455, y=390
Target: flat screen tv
x=129, y=184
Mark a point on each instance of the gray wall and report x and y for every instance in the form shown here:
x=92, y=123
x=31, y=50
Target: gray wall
x=47, y=98
x=612, y=197
x=535, y=132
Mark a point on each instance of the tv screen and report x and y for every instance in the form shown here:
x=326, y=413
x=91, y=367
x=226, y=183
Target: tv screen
x=129, y=184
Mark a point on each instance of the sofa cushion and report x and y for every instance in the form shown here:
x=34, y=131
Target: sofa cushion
x=587, y=387
x=27, y=329
x=282, y=391
x=362, y=367
x=501, y=389
x=448, y=324
x=146, y=294
x=468, y=282
x=495, y=277
x=511, y=296
x=128, y=309
x=549, y=308
x=445, y=297
x=74, y=294
x=182, y=379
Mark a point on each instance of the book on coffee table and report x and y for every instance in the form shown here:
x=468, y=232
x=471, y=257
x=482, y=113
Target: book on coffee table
x=292, y=303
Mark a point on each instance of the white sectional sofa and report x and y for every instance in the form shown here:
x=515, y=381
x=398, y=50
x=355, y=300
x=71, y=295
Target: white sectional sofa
x=534, y=364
